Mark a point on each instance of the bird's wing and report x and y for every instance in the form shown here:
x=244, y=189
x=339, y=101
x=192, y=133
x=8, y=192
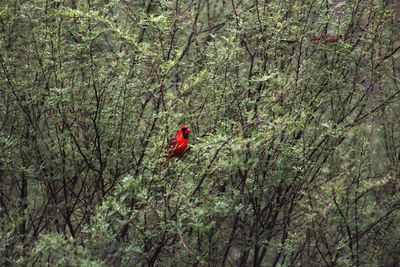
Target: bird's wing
x=172, y=141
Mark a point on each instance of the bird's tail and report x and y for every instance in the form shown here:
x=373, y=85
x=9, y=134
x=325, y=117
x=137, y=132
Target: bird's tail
x=164, y=162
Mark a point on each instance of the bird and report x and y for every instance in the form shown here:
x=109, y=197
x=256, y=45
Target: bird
x=178, y=143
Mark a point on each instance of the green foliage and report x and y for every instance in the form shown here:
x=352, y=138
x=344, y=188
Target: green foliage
x=56, y=250
x=293, y=158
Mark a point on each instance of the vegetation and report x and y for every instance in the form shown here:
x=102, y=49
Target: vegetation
x=294, y=155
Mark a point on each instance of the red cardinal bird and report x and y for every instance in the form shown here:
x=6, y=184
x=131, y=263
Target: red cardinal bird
x=178, y=142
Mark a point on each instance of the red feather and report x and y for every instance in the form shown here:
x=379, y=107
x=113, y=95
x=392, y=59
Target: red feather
x=178, y=142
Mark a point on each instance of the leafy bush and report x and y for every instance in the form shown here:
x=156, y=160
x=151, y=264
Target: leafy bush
x=293, y=158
